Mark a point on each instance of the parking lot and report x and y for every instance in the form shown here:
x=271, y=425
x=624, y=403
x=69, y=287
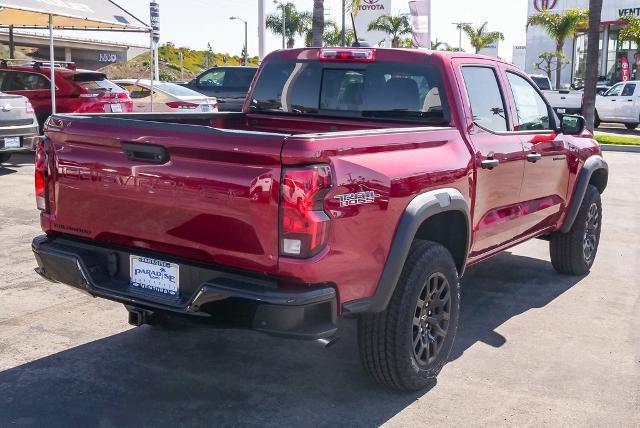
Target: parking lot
x=534, y=348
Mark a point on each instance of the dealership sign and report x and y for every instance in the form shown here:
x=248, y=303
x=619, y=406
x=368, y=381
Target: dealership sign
x=369, y=11
x=612, y=10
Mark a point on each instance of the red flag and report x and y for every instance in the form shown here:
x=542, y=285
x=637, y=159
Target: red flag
x=626, y=73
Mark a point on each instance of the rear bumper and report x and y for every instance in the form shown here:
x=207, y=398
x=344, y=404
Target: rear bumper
x=210, y=295
x=28, y=138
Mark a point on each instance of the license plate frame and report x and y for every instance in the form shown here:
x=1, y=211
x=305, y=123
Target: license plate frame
x=11, y=142
x=561, y=110
x=157, y=277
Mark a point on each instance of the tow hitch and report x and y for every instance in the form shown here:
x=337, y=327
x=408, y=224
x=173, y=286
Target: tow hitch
x=138, y=317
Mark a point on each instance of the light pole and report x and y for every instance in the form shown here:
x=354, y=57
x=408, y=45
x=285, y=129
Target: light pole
x=246, y=48
x=283, y=6
x=459, y=25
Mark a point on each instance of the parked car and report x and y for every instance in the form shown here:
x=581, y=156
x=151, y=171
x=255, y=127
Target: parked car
x=167, y=97
x=382, y=174
x=620, y=104
x=18, y=126
x=78, y=91
x=563, y=101
x=229, y=85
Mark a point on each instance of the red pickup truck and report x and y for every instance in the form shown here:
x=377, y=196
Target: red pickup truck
x=355, y=183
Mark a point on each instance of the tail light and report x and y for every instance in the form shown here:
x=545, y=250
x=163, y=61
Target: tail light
x=347, y=55
x=42, y=200
x=183, y=105
x=29, y=107
x=304, y=228
x=122, y=95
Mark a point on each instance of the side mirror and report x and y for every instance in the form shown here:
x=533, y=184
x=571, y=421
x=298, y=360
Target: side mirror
x=572, y=125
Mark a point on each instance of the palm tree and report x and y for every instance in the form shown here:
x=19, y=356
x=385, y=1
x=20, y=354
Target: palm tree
x=438, y=45
x=560, y=27
x=296, y=23
x=481, y=38
x=394, y=26
x=317, y=25
x=333, y=35
x=591, y=72
x=331, y=32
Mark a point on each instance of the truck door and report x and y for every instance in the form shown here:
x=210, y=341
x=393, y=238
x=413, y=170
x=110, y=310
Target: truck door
x=607, y=104
x=499, y=161
x=627, y=108
x=546, y=171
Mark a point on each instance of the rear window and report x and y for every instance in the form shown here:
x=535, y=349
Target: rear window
x=95, y=82
x=542, y=83
x=391, y=90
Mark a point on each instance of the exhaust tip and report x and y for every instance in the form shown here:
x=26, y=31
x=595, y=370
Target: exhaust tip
x=326, y=342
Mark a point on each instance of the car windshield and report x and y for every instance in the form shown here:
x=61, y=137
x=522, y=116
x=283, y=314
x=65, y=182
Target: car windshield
x=95, y=82
x=390, y=90
x=176, y=90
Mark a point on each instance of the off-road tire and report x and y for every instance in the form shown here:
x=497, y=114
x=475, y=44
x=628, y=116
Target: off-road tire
x=631, y=126
x=4, y=157
x=570, y=252
x=386, y=339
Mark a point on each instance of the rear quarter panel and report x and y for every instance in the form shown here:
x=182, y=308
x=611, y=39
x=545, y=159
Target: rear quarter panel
x=397, y=165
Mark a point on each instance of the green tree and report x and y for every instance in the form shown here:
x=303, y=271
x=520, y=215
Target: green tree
x=297, y=23
x=560, y=27
x=333, y=35
x=438, y=45
x=394, y=26
x=631, y=33
x=481, y=38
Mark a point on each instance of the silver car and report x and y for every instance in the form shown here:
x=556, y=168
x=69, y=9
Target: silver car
x=18, y=126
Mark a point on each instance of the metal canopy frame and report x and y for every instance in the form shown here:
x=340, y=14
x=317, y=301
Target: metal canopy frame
x=94, y=24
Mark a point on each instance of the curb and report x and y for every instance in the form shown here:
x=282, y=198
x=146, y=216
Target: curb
x=620, y=148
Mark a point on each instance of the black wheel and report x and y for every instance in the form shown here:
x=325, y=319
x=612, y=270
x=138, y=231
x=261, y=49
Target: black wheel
x=597, y=123
x=4, y=157
x=631, y=126
x=574, y=252
x=406, y=346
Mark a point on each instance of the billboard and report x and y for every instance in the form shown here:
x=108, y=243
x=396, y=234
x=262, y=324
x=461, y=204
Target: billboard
x=491, y=50
x=368, y=12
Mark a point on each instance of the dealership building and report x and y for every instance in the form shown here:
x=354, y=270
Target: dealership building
x=614, y=55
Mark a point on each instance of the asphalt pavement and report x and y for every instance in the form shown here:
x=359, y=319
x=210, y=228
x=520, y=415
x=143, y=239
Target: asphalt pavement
x=535, y=348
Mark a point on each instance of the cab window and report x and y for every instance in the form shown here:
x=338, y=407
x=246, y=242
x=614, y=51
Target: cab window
x=487, y=105
x=532, y=110
x=615, y=90
x=629, y=90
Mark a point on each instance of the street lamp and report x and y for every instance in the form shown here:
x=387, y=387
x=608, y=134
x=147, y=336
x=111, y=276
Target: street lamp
x=283, y=6
x=246, y=48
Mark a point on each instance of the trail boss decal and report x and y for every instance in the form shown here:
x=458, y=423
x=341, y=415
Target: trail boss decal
x=360, y=198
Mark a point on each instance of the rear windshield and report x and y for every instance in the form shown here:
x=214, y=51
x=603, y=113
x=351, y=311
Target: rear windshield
x=390, y=90
x=542, y=82
x=95, y=82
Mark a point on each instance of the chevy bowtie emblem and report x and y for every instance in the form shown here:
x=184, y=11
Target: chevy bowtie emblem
x=541, y=5
x=7, y=107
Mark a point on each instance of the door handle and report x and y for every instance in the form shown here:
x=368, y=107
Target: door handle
x=534, y=157
x=490, y=163
x=629, y=101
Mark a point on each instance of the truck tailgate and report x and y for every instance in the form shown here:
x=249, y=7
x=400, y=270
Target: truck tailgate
x=183, y=190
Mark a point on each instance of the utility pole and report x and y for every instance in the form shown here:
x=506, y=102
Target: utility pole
x=245, y=53
x=181, y=56
x=261, y=29
x=343, y=38
x=459, y=25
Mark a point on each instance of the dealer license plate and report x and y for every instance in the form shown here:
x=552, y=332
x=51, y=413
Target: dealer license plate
x=116, y=108
x=206, y=108
x=154, y=275
x=562, y=111
x=12, y=142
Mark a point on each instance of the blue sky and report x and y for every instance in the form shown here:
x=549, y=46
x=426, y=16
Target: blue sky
x=193, y=23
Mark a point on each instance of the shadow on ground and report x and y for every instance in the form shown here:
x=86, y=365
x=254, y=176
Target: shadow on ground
x=184, y=377
x=15, y=162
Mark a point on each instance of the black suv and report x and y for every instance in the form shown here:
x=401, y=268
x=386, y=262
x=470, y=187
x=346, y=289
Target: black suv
x=228, y=84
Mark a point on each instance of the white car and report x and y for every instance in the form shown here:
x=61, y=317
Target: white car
x=167, y=97
x=620, y=104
